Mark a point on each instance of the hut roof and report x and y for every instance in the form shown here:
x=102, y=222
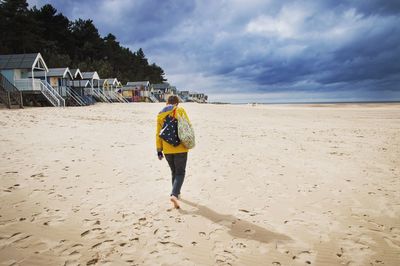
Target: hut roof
x=75, y=72
x=162, y=86
x=112, y=81
x=53, y=72
x=90, y=75
x=80, y=83
x=138, y=83
x=23, y=61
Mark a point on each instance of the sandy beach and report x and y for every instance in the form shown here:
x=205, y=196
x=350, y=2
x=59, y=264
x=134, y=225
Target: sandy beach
x=266, y=185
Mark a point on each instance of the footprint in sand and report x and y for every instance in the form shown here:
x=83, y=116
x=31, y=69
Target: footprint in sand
x=38, y=176
x=304, y=257
x=170, y=243
x=96, y=245
x=340, y=254
x=250, y=231
x=223, y=254
x=16, y=238
x=85, y=233
x=92, y=261
x=240, y=245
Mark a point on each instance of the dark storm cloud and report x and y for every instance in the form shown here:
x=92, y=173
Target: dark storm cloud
x=312, y=47
x=131, y=21
x=370, y=54
x=369, y=7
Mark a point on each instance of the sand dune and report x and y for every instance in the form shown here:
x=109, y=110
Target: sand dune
x=266, y=185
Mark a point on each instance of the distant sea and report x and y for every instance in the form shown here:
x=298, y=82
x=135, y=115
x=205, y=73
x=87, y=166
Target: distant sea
x=350, y=102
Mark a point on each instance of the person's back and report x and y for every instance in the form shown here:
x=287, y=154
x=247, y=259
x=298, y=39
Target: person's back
x=162, y=145
x=176, y=155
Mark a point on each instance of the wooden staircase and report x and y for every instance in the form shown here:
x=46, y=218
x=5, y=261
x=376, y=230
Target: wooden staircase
x=153, y=98
x=10, y=96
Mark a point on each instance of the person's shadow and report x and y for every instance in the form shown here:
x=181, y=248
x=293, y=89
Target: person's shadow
x=237, y=227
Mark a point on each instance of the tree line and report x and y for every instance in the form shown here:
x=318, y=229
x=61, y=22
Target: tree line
x=76, y=44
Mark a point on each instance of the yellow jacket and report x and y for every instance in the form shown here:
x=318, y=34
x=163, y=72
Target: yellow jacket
x=161, y=144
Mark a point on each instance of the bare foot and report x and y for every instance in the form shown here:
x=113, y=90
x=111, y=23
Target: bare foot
x=174, y=200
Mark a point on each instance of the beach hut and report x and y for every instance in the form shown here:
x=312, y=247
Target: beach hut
x=93, y=78
x=110, y=83
x=80, y=89
x=197, y=97
x=193, y=97
x=184, y=95
x=103, y=86
x=172, y=91
x=60, y=79
x=19, y=69
x=95, y=89
x=138, y=91
x=111, y=88
x=161, y=91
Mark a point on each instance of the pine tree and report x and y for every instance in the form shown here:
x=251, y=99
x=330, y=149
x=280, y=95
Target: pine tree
x=19, y=30
x=75, y=44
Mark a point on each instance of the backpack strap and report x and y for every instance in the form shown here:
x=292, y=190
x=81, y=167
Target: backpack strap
x=174, y=112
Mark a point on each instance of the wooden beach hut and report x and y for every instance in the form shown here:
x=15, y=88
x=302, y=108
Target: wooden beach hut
x=197, y=97
x=95, y=86
x=19, y=70
x=160, y=90
x=163, y=90
x=92, y=77
x=172, y=91
x=82, y=89
x=138, y=91
x=112, y=88
x=60, y=79
x=184, y=95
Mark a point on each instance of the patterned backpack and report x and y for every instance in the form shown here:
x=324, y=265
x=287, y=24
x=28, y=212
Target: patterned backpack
x=186, y=132
x=169, y=131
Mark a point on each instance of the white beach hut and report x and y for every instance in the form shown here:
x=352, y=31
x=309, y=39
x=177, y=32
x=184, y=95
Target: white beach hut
x=20, y=69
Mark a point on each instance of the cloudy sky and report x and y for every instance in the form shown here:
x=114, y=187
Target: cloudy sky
x=260, y=50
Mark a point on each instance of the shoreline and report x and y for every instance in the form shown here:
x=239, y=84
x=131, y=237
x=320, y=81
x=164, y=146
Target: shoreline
x=311, y=103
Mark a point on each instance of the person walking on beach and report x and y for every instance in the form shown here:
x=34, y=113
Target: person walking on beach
x=175, y=152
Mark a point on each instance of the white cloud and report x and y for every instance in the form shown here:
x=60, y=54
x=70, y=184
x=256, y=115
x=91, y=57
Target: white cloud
x=286, y=24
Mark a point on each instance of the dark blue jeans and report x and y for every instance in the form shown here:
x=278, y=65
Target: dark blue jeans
x=177, y=163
